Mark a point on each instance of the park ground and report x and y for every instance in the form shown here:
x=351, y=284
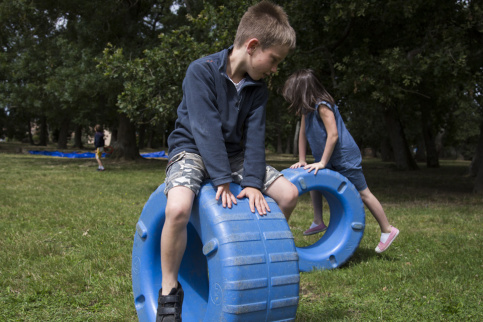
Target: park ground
x=66, y=235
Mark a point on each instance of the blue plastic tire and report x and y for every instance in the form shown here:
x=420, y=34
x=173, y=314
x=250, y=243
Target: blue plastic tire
x=347, y=218
x=238, y=266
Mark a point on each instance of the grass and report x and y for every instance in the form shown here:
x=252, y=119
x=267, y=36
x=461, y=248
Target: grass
x=66, y=234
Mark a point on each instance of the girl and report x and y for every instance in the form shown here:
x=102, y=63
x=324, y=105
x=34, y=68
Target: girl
x=332, y=147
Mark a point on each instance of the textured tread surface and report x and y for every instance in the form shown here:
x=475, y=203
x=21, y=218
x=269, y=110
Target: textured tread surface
x=251, y=262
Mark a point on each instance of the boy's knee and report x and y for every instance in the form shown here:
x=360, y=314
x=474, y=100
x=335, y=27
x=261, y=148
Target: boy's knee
x=177, y=215
x=290, y=196
x=293, y=194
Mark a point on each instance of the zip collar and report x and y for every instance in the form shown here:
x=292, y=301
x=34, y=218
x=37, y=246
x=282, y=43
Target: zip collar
x=222, y=69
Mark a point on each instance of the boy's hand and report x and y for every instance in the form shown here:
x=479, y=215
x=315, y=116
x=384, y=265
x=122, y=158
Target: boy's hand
x=317, y=166
x=298, y=165
x=227, y=198
x=255, y=199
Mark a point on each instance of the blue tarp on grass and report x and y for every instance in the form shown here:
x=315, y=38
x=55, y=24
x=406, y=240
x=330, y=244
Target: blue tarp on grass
x=72, y=155
x=160, y=154
x=91, y=155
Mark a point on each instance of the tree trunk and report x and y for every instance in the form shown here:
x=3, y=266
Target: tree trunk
x=476, y=164
x=386, y=150
x=279, y=143
x=151, y=134
x=432, y=160
x=296, y=140
x=125, y=147
x=114, y=136
x=44, y=134
x=149, y=144
x=142, y=135
x=420, y=150
x=78, y=137
x=31, y=138
x=287, y=146
x=478, y=188
x=403, y=158
x=63, y=134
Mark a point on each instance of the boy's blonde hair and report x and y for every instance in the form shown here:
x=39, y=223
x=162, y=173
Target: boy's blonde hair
x=268, y=23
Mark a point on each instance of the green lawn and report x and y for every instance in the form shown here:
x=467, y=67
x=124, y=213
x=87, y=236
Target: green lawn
x=66, y=234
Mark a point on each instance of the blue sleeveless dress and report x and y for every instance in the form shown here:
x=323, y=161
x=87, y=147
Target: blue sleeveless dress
x=346, y=158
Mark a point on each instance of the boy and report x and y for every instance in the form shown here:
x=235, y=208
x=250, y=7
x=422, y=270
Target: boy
x=99, y=145
x=219, y=134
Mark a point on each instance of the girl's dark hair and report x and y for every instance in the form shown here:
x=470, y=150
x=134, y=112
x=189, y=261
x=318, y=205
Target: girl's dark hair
x=303, y=90
x=98, y=128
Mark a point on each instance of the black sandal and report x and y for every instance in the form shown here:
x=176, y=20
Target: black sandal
x=170, y=306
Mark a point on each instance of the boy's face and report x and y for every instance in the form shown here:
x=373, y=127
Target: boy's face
x=262, y=63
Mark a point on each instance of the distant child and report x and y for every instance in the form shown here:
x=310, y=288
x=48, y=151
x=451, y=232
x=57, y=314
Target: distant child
x=220, y=134
x=332, y=147
x=99, y=145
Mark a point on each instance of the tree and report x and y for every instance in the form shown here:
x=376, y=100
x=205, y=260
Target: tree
x=130, y=24
x=152, y=82
x=399, y=64
x=61, y=41
x=402, y=72
x=25, y=56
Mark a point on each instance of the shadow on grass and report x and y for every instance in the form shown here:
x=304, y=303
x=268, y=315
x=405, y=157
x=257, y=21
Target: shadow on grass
x=451, y=177
x=383, y=177
x=362, y=255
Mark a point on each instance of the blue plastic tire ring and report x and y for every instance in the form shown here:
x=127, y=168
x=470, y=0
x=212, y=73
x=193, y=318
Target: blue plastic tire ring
x=238, y=266
x=347, y=218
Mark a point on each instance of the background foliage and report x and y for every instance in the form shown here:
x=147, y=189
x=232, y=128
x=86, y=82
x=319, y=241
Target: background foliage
x=407, y=75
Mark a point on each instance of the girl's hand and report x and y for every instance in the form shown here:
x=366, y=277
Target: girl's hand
x=298, y=165
x=317, y=166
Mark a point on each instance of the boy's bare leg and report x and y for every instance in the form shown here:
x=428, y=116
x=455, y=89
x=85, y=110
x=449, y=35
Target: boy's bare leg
x=174, y=235
x=376, y=209
x=316, y=197
x=285, y=195
x=99, y=162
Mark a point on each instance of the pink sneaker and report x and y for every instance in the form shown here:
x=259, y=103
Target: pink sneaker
x=392, y=236
x=317, y=229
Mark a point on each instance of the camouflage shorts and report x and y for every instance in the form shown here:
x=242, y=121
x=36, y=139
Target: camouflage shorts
x=188, y=170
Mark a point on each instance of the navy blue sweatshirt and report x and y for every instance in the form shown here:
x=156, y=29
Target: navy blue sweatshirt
x=99, y=140
x=216, y=122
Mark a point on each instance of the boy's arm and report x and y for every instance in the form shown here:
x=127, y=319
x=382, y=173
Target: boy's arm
x=254, y=163
x=205, y=122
